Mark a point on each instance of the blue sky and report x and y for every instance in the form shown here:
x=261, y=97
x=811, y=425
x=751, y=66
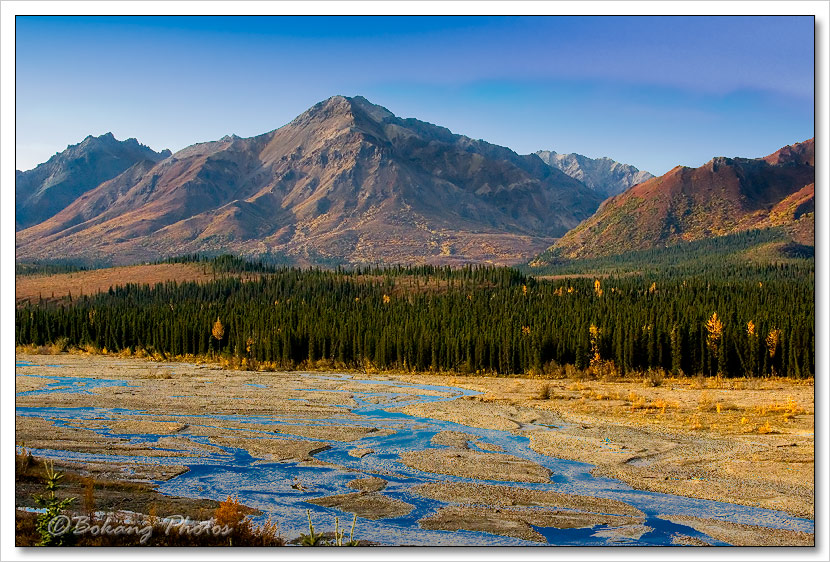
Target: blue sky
x=654, y=92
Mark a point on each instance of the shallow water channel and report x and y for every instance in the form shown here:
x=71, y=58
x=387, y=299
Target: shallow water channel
x=272, y=486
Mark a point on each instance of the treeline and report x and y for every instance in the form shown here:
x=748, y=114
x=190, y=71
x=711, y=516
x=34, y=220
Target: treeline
x=473, y=320
x=47, y=268
x=227, y=263
x=723, y=254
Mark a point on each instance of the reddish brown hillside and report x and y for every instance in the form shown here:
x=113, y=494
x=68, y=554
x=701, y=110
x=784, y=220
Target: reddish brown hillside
x=803, y=153
x=723, y=196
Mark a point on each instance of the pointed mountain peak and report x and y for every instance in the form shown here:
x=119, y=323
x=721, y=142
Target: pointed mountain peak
x=333, y=107
x=106, y=138
x=798, y=153
x=106, y=141
x=604, y=175
x=352, y=108
x=336, y=103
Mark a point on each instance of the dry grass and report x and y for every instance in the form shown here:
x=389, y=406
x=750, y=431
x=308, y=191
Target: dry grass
x=61, y=285
x=726, y=406
x=545, y=392
x=718, y=405
x=766, y=429
x=59, y=346
x=654, y=377
x=153, y=372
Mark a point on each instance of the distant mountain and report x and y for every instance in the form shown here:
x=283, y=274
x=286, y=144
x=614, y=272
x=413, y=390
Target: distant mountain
x=346, y=181
x=49, y=188
x=724, y=196
x=603, y=175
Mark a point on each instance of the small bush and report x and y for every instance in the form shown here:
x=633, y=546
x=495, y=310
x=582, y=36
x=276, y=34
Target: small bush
x=605, y=370
x=766, y=429
x=704, y=402
x=553, y=370
x=61, y=344
x=571, y=372
x=89, y=497
x=654, y=377
x=637, y=402
x=230, y=513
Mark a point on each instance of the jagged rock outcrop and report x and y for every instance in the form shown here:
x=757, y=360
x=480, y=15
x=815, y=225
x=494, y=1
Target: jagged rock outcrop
x=46, y=190
x=603, y=175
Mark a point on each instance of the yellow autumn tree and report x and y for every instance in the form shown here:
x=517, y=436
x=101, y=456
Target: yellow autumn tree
x=773, y=338
x=218, y=331
x=594, y=333
x=751, y=349
x=714, y=328
x=714, y=336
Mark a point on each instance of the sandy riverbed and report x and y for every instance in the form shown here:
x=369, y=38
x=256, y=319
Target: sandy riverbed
x=749, y=442
x=743, y=442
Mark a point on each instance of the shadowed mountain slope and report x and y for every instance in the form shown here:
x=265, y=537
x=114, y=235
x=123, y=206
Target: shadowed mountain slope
x=346, y=181
x=44, y=191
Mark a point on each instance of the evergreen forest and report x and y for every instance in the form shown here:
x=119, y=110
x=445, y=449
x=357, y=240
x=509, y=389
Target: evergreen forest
x=755, y=320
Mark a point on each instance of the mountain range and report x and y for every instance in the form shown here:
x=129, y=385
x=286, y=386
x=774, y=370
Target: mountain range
x=47, y=189
x=603, y=175
x=348, y=182
x=724, y=196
